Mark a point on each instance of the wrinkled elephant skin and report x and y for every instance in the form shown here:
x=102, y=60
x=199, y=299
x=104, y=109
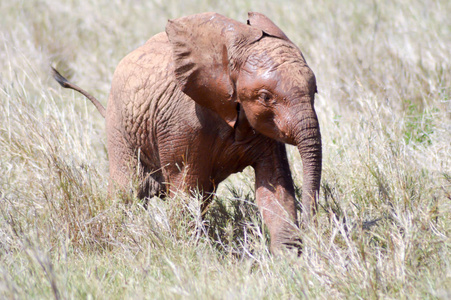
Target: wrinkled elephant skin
x=207, y=98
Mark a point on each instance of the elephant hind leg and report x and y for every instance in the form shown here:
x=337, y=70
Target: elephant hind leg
x=122, y=165
x=128, y=174
x=150, y=183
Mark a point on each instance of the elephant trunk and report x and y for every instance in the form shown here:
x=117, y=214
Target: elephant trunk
x=308, y=142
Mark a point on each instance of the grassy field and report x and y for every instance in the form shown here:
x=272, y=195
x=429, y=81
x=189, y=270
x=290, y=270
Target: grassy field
x=384, y=227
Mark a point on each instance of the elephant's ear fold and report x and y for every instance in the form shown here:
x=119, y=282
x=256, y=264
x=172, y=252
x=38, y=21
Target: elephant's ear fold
x=205, y=48
x=262, y=22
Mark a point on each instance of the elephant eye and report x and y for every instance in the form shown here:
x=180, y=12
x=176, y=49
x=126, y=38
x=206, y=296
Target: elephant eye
x=264, y=96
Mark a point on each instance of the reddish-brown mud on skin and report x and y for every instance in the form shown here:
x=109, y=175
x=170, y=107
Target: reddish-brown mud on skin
x=309, y=146
x=207, y=98
x=286, y=113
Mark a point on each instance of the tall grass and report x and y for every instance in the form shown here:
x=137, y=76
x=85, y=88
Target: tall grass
x=383, y=73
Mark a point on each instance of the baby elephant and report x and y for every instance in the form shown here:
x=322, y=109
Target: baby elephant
x=207, y=98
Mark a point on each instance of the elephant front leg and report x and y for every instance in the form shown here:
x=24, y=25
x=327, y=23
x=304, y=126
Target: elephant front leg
x=275, y=199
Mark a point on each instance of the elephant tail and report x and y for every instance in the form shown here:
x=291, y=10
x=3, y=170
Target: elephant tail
x=66, y=84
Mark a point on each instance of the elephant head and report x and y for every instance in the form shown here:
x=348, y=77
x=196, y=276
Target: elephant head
x=253, y=77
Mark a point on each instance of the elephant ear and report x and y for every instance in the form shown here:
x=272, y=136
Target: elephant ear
x=262, y=22
x=205, y=48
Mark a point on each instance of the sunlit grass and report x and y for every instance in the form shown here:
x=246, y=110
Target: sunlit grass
x=384, y=222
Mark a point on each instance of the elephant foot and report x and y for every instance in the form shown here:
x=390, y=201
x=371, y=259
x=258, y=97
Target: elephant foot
x=293, y=245
x=151, y=187
x=286, y=239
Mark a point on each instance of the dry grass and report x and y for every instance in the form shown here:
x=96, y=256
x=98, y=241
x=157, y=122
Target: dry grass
x=383, y=72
